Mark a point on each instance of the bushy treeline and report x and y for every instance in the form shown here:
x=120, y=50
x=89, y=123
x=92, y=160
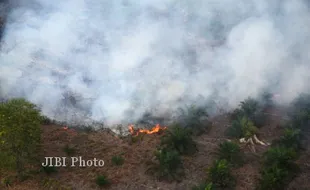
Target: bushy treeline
x=279, y=167
x=20, y=134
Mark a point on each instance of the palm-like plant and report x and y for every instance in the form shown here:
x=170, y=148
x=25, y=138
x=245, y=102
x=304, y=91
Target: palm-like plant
x=231, y=152
x=249, y=106
x=300, y=112
x=280, y=156
x=273, y=178
x=251, y=109
x=291, y=138
x=180, y=139
x=220, y=174
x=242, y=128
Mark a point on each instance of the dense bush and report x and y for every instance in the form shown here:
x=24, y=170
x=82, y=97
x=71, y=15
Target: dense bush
x=170, y=164
x=273, y=178
x=300, y=112
x=291, y=138
x=20, y=132
x=180, y=139
x=220, y=174
x=279, y=165
x=118, y=160
x=252, y=109
x=242, y=127
x=231, y=152
x=49, y=169
x=102, y=181
x=280, y=156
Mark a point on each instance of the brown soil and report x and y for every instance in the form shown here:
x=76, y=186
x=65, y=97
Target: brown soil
x=138, y=156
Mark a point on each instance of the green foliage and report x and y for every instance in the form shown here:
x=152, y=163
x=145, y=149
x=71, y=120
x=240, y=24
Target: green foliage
x=231, y=152
x=102, y=181
x=169, y=163
x=300, y=111
x=243, y=127
x=210, y=186
x=46, y=121
x=193, y=117
x=279, y=168
x=291, y=138
x=220, y=174
x=7, y=161
x=273, y=178
x=251, y=109
x=69, y=150
x=117, y=160
x=280, y=156
x=20, y=132
x=49, y=169
x=180, y=139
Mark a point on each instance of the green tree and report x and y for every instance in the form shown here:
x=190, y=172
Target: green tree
x=19, y=132
x=220, y=174
x=242, y=128
x=231, y=152
x=180, y=139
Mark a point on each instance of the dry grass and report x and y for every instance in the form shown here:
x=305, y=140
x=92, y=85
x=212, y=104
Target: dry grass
x=138, y=156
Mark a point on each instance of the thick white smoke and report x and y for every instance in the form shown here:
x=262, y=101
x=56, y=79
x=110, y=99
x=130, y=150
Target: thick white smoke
x=120, y=58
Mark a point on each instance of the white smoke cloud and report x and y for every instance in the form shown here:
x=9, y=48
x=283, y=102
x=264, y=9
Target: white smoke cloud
x=124, y=57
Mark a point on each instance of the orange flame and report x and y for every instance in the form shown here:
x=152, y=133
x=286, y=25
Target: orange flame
x=66, y=128
x=155, y=129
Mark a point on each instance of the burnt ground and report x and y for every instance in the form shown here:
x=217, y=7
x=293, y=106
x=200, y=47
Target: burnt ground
x=132, y=175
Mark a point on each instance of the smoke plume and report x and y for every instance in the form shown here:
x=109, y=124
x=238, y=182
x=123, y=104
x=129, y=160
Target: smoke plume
x=115, y=60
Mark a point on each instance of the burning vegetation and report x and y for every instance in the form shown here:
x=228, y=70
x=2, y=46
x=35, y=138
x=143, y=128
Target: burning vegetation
x=156, y=129
x=177, y=154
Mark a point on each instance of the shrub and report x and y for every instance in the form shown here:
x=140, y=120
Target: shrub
x=193, y=117
x=300, y=111
x=280, y=156
x=46, y=121
x=291, y=138
x=117, y=160
x=237, y=114
x=251, y=109
x=69, y=150
x=273, y=178
x=102, y=180
x=49, y=169
x=169, y=163
x=210, y=186
x=231, y=152
x=243, y=127
x=180, y=139
x=220, y=174
x=20, y=132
